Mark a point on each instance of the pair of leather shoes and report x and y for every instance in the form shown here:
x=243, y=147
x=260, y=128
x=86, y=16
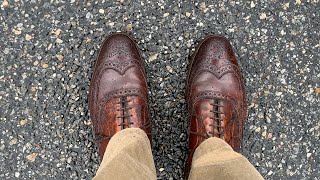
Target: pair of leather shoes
x=215, y=93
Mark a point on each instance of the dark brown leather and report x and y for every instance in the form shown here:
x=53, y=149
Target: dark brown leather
x=215, y=95
x=118, y=96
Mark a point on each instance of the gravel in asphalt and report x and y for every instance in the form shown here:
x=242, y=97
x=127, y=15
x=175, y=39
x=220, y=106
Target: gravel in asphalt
x=48, y=48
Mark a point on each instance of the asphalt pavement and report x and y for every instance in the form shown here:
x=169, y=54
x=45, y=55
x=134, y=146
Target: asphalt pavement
x=48, y=48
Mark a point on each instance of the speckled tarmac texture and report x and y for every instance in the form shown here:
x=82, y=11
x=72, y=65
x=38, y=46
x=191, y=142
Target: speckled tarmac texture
x=48, y=48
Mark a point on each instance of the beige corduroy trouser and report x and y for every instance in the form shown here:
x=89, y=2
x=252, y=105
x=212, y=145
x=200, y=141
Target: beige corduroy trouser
x=128, y=156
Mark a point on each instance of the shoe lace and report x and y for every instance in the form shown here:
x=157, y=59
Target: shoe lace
x=125, y=117
x=125, y=114
x=216, y=118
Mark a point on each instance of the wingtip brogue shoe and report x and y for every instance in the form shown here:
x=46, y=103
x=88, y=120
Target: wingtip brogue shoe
x=118, y=96
x=215, y=95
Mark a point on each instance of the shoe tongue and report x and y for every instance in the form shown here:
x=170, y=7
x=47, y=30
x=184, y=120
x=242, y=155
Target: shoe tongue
x=226, y=109
x=214, y=108
x=214, y=111
x=222, y=112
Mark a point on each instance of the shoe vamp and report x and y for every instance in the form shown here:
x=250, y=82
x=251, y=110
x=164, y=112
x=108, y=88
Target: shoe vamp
x=228, y=84
x=111, y=81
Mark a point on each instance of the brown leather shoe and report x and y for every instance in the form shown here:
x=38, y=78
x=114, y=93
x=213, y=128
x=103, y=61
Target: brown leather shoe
x=118, y=97
x=215, y=95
